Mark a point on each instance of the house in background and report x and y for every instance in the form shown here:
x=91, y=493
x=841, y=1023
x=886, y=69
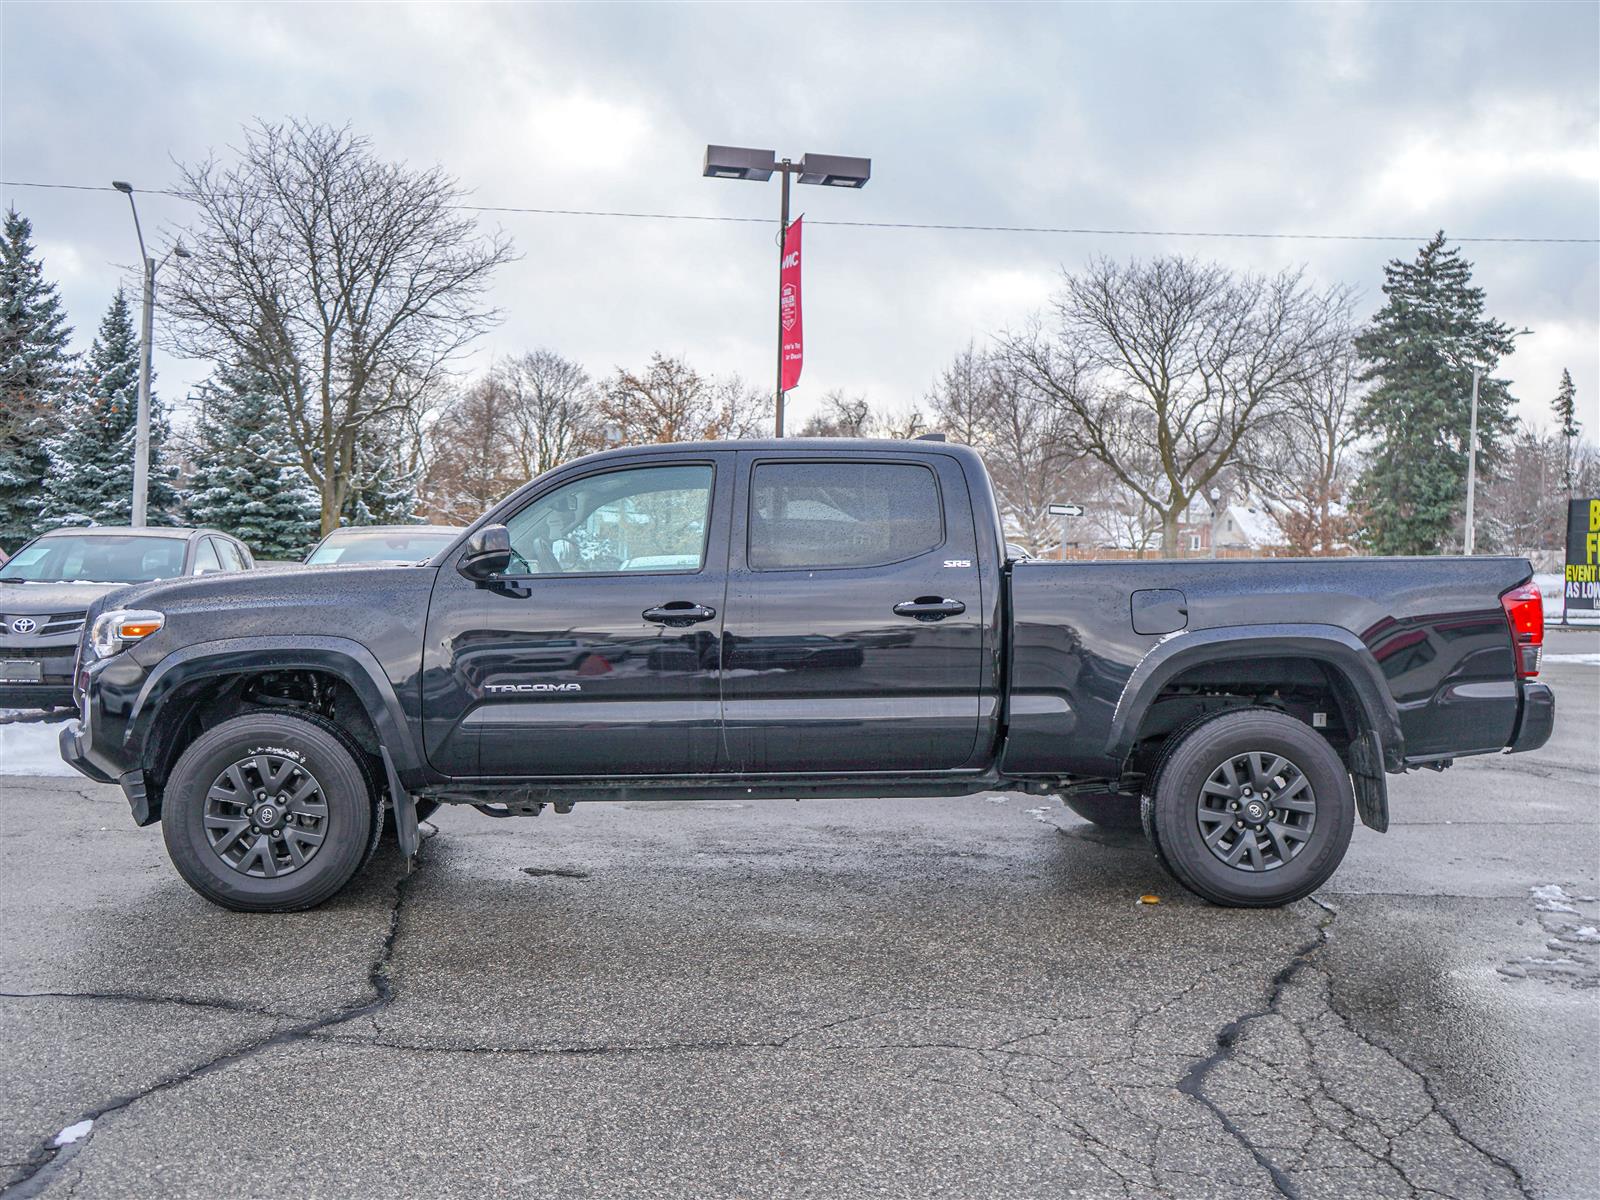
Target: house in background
x=1247, y=526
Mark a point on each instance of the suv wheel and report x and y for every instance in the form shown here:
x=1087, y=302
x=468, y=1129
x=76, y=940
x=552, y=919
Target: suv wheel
x=1250, y=809
x=270, y=813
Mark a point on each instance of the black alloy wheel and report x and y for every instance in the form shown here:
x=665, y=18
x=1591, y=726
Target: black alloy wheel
x=265, y=815
x=271, y=812
x=1249, y=808
x=1257, y=811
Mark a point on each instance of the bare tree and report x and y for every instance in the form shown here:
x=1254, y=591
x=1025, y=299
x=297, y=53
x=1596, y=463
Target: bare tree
x=347, y=282
x=981, y=400
x=472, y=457
x=669, y=401
x=1524, y=501
x=1172, y=356
x=841, y=415
x=1304, y=456
x=555, y=409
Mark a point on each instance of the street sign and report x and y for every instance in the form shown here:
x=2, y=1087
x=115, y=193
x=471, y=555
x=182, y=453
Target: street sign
x=1066, y=510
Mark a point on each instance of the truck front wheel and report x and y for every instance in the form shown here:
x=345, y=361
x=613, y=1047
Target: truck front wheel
x=270, y=812
x=1250, y=809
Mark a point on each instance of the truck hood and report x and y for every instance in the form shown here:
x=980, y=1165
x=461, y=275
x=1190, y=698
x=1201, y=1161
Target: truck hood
x=272, y=587
x=30, y=599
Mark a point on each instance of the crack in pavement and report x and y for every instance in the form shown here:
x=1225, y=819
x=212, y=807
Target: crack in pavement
x=52, y=1156
x=233, y=1006
x=1278, y=1078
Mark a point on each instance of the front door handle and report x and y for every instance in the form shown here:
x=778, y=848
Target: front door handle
x=680, y=614
x=929, y=608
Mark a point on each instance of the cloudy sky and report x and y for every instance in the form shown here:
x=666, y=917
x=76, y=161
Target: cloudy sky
x=1340, y=119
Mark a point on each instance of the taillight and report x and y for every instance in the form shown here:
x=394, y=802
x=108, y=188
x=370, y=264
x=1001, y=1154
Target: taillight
x=1525, y=610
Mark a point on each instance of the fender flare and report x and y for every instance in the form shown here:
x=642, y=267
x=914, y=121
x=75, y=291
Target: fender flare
x=1354, y=669
x=344, y=658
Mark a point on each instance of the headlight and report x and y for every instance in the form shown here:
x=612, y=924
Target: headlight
x=115, y=631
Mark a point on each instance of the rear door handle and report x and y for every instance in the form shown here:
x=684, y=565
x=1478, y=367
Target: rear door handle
x=679, y=613
x=929, y=608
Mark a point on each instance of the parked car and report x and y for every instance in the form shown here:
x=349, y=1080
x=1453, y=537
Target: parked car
x=381, y=543
x=1243, y=713
x=48, y=585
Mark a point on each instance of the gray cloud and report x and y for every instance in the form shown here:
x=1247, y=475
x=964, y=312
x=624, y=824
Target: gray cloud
x=1384, y=119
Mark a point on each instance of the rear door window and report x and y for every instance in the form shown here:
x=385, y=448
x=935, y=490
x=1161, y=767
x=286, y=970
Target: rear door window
x=841, y=514
x=205, y=558
x=232, y=560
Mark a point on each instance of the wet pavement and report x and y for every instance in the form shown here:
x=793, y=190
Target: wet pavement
x=888, y=998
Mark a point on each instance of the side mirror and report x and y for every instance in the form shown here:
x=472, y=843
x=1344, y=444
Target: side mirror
x=488, y=553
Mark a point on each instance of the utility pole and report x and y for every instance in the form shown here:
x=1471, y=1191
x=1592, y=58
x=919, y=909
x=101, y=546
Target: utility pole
x=1470, y=541
x=141, y=433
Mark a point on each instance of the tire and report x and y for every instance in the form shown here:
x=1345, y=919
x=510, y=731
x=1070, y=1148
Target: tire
x=307, y=848
x=1108, y=810
x=1223, y=769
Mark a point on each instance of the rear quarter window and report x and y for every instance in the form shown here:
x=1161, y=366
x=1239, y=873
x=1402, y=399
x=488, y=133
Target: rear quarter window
x=841, y=514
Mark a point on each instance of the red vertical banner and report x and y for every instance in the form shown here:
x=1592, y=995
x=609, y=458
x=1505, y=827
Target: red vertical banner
x=793, y=356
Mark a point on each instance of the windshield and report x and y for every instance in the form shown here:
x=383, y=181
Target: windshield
x=390, y=545
x=96, y=558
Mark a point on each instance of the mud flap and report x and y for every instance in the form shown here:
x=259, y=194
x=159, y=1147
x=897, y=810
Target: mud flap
x=405, y=809
x=1372, y=789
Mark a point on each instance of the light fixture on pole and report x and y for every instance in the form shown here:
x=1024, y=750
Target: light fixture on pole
x=758, y=166
x=141, y=436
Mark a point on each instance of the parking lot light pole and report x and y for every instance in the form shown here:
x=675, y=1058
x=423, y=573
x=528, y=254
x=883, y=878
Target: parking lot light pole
x=826, y=170
x=141, y=435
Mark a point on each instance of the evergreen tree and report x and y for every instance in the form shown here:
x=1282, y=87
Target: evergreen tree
x=245, y=481
x=383, y=490
x=1566, y=407
x=1420, y=351
x=35, y=368
x=91, y=460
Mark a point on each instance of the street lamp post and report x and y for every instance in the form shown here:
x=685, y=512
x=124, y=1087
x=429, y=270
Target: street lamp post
x=141, y=434
x=826, y=170
x=1469, y=543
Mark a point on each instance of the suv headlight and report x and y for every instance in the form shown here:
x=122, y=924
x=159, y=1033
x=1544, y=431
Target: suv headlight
x=115, y=631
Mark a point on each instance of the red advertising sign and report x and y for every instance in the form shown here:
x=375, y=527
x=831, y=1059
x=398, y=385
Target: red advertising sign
x=793, y=357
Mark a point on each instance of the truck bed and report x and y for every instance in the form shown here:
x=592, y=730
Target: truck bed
x=1433, y=632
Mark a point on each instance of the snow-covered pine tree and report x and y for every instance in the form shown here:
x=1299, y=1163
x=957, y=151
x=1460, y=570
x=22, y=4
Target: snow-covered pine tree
x=35, y=369
x=383, y=490
x=1565, y=406
x=91, y=460
x=245, y=480
x=1419, y=351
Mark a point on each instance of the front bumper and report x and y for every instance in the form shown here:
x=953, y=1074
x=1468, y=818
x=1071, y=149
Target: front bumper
x=71, y=741
x=54, y=654
x=1538, y=718
x=49, y=694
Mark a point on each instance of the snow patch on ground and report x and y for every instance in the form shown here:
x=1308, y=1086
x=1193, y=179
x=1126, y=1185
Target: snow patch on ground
x=28, y=746
x=74, y=1133
x=1586, y=660
x=1551, y=897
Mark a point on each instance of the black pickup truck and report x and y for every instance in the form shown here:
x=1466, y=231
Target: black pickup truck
x=797, y=618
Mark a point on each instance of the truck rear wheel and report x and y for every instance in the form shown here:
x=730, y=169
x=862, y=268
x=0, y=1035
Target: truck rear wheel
x=270, y=812
x=1107, y=810
x=1250, y=809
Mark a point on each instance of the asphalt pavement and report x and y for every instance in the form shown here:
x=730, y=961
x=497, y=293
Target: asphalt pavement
x=956, y=998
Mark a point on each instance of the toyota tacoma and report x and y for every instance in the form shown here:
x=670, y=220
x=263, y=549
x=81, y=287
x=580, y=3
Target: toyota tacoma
x=796, y=618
